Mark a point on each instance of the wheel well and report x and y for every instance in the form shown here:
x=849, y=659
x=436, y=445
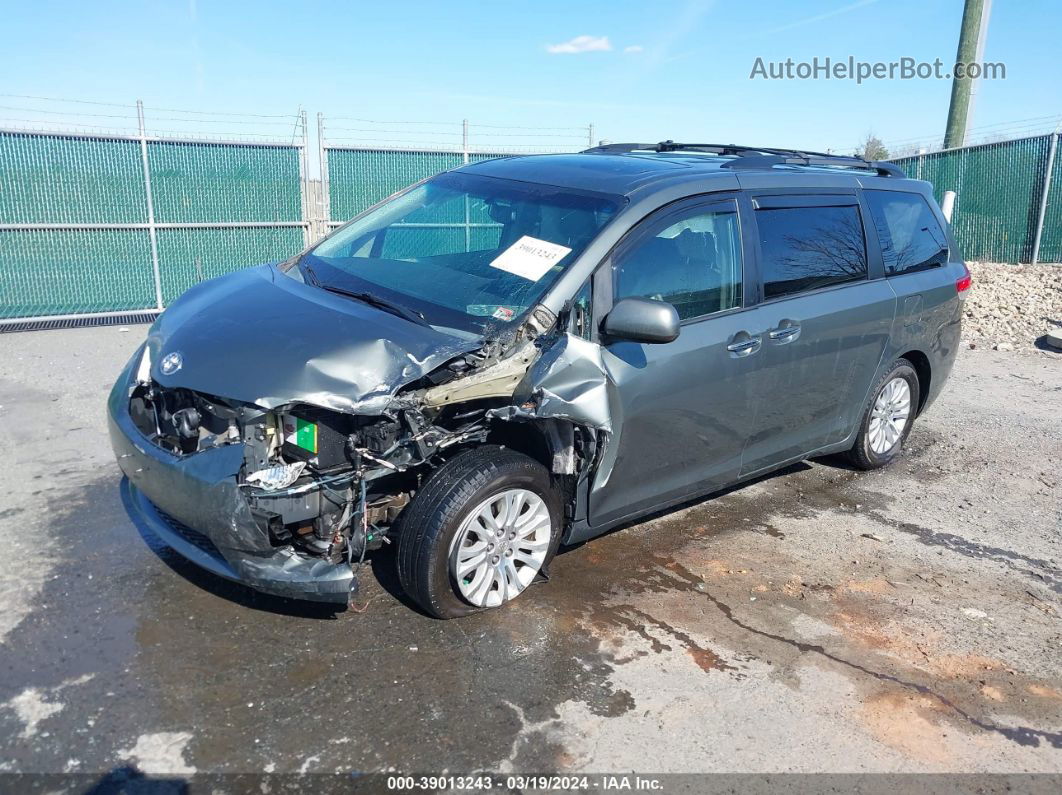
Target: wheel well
x=523, y=437
x=920, y=362
x=535, y=440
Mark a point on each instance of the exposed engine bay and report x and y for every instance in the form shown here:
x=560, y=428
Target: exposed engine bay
x=331, y=484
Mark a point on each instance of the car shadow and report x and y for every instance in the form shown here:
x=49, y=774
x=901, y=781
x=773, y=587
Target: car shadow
x=381, y=563
x=800, y=466
x=128, y=780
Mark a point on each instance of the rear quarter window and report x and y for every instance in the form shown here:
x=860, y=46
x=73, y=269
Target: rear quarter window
x=911, y=238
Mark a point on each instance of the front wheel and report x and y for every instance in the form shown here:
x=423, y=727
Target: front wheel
x=888, y=417
x=478, y=532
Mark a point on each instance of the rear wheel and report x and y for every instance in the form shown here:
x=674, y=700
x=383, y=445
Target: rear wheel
x=478, y=532
x=888, y=417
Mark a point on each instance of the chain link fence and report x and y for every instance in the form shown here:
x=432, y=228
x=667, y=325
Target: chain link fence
x=122, y=222
x=362, y=164
x=1008, y=205
x=96, y=223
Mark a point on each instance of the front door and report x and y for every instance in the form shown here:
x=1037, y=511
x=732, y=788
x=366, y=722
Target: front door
x=682, y=415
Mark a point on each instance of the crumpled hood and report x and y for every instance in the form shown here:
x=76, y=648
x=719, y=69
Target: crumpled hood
x=261, y=337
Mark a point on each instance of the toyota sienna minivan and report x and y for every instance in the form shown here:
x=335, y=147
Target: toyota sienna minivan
x=526, y=352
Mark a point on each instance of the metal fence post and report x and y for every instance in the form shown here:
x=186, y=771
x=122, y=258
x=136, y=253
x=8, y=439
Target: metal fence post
x=590, y=135
x=1044, y=195
x=304, y=187
x=152, y=231
x=947, y=204
x=468, y=209
x=326, y=193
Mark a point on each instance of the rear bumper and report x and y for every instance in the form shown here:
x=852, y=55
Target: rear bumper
x=194, y=505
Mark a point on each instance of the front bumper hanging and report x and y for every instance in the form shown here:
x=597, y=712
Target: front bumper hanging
x=194, y=505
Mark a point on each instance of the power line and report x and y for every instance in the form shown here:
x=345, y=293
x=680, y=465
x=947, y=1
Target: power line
x=398, y=132
x=519, y=127
x=285, y=122
x=79, y=101
x=67, y=112
x=1004, y=127
x=222, y=113
x=377, y=121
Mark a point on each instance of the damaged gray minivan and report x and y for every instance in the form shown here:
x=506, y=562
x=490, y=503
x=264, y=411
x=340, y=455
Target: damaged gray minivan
x=528, y=351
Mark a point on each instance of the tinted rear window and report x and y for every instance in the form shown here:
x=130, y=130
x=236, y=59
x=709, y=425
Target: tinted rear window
x=911, y=238
x=806, y=248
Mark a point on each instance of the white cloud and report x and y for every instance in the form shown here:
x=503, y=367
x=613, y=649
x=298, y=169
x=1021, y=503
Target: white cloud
x=580, y=44
x=634, y=48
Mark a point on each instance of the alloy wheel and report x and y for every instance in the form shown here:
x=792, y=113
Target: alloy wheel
x=889, y=417
x=500, y=547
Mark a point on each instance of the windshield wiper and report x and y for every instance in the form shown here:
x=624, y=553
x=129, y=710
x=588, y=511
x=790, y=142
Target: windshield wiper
x=380, y=303
x=308, y=270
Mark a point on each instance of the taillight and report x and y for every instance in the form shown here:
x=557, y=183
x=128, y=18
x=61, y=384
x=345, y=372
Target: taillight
x=963, y=282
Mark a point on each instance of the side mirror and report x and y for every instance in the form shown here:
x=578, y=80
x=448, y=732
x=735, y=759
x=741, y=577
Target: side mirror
x=641, y=320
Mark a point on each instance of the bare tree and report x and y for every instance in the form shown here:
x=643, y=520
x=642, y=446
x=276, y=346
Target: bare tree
x=872, y=149
x=831, y=248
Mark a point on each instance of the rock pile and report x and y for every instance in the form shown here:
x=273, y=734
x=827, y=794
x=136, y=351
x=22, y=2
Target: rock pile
x=1011, y=306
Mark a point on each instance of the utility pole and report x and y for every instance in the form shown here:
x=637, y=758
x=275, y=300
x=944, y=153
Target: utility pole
x=971, y=50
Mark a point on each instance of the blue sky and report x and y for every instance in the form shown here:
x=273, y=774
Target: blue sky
x=667, y=70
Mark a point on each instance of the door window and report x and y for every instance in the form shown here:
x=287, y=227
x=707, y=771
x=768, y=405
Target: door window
x=911, y=239
x=694, y=263
x=806, y=248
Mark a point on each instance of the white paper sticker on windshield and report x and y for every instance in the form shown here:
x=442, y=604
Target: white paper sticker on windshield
x=530, y=257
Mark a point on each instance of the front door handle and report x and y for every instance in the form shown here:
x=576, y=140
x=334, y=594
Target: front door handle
x=744, y=344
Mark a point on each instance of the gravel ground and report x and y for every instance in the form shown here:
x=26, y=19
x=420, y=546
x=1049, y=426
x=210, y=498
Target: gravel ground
x=906, y=620
x=1012, y=306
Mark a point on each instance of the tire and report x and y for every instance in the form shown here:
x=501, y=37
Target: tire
x=867, y=452
x=454, y=495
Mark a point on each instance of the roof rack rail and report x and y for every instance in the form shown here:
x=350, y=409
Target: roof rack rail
x=881, y=167
x=758, y=156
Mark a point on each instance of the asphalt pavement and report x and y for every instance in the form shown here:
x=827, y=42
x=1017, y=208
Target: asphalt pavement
x=819, y=620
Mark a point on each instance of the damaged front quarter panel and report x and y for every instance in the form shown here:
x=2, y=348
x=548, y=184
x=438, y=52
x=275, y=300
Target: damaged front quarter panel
x=570, y=381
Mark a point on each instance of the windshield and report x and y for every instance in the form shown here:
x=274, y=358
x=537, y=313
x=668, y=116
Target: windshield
x=462, y=251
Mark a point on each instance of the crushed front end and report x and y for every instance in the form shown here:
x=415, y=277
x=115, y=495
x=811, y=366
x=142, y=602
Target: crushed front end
x=289, y=499
x=186, y=457
x=278, y=454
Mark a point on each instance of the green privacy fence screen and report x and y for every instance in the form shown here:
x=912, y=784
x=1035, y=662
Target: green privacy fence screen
x=74, y=271
x=358, y=178
x=76, y=233
x=188, y=256
x=1051, y=239
x=51, y=179
x=999, y=188
x=197, y=182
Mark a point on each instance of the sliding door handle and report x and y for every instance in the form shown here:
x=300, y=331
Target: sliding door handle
x=787, y=331
x=743, y=344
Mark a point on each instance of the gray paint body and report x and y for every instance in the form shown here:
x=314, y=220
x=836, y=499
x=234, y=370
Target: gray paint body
x=689, y=417
x=676, y=420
